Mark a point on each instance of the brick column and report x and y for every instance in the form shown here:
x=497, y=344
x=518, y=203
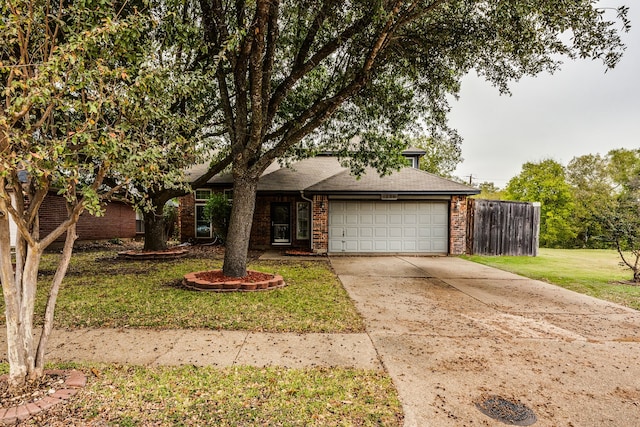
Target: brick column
x=458, y=224
x=320, y=224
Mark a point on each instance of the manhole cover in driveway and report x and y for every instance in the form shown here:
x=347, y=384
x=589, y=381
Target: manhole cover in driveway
x=506, y=411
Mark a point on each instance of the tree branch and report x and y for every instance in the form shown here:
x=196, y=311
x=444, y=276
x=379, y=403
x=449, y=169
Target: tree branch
x=301, y=69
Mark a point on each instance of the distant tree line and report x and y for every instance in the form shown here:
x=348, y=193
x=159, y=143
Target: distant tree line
x=578, y=200
x=592, y=202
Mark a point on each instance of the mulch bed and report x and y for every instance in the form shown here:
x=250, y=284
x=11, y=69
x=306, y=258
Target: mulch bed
x=31, y=391
x=153, y=255
x=216, y=276
x=36, y=397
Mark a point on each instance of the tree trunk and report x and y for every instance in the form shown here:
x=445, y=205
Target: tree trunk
x=61, y=271
x=20, y=301
x=237, y=244
x=15, y=353
x=155, y=238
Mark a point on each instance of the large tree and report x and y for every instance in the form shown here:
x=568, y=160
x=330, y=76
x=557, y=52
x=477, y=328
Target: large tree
x=442, y=155
x=292, y=72
x=593, y=193
x=545, y=182
x=64, y=77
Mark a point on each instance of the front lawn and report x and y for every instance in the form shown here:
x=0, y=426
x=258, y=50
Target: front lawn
x=593, y=272
x=101, y=290
x=238, y=396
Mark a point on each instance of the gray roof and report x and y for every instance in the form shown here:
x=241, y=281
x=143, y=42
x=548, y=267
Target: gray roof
x=325, y=175
x=405, y=181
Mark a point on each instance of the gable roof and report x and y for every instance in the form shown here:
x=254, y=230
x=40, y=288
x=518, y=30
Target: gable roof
x=325, y=175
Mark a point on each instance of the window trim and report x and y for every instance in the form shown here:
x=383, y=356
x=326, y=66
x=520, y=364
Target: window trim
x=208, y=190
x=201, y=203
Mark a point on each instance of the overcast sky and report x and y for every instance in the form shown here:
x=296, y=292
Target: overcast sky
x=578, y=110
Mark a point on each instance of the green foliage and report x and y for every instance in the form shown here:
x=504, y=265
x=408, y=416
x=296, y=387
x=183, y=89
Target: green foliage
x=593, y=193
x=170, y=215
x=218, y=210
x=489, y=191
x=624, y=167
x=621, y=221
x=65, y=74
x=545, y=182
x=442, y=155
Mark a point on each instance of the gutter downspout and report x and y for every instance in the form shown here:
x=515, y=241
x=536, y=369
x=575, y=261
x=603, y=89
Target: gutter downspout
x=311, y=219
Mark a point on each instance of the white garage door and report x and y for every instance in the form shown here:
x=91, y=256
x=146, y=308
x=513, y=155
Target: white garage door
x=394, y=226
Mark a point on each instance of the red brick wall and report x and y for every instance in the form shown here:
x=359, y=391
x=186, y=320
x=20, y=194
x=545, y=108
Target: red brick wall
x=118, y=221
x=187, y=217
x=320, y=224
x=458, y=225
x=261, y=229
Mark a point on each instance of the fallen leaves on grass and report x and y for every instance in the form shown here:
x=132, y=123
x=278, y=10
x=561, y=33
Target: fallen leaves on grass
x=202, y=396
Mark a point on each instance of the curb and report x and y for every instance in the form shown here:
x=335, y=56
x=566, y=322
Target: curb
x=74, y=381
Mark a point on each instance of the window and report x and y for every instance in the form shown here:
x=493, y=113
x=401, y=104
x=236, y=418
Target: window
x=202, y=195
x=302, y=220
x=139, y=222
x=203, y=224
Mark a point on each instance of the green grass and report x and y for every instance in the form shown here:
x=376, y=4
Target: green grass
x=103, y=291
x=239, y=396
x=593, y=272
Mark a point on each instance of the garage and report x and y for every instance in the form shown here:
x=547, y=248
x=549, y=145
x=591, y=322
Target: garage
x=376, y=226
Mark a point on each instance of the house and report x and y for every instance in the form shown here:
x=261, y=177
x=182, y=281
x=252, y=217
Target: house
x=118, y=221
x=316, y=204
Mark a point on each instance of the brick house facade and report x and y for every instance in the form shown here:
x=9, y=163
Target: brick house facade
x=409, y=211
x=118, y=221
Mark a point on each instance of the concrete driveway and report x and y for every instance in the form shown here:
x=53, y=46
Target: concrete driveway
x=452, y=333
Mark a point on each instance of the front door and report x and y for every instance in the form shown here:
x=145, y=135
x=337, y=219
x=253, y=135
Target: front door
x=280, y=223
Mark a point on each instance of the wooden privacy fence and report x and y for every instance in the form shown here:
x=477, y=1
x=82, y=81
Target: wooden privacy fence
x=498, y=227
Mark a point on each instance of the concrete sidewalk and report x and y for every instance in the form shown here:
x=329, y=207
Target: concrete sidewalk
x=209, y=348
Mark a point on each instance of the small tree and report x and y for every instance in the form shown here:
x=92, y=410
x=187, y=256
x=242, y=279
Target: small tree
x=218, y=210
x=622, y=220
x=622, y=225
x=64, y=75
